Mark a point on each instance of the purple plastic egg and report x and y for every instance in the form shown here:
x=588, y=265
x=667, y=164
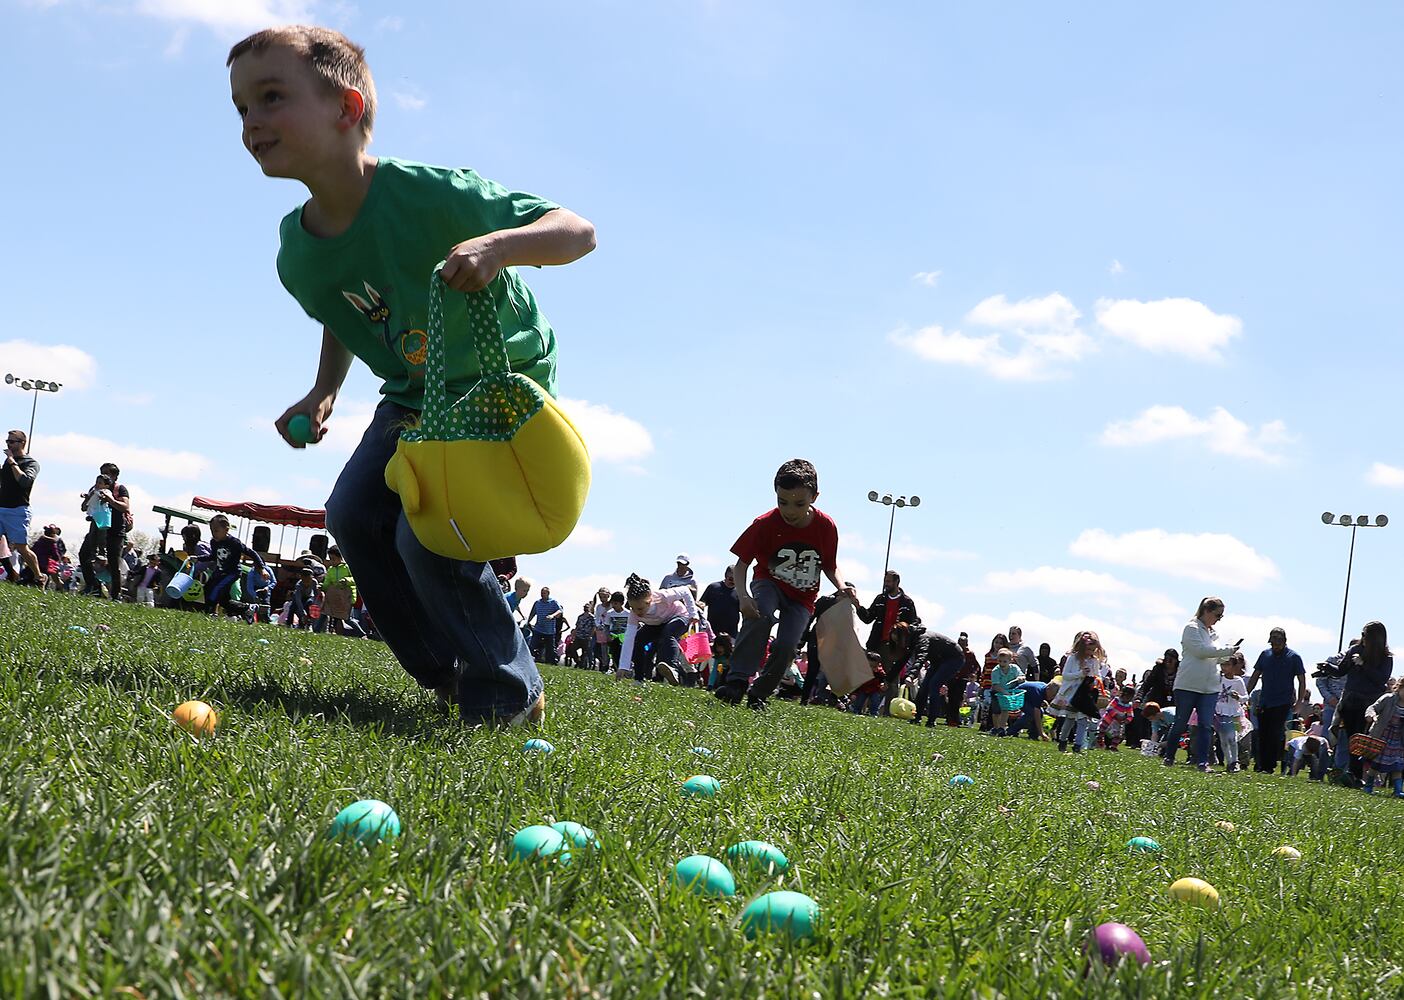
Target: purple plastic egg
x=1115, y=940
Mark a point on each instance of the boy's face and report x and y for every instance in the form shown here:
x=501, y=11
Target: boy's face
x=796, y=506
x=292, y=122
x=218, y=529
x=617, y=605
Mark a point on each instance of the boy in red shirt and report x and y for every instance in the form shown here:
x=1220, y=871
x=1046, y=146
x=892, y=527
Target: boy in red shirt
x=792, y=546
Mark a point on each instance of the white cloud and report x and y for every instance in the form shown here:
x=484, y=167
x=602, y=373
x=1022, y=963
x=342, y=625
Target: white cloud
x=1043, y=337
x=1385, y=475
x=1101, y=588
x=391, y=23
x=345, y=427
x=1169, y=326
x=229, y=15
x=1116, y=267
x=927, y=278
x=71, y=367
x=1053, y=580
x=611, y=436
x=930, y=611
x=1221, y=432
x=1052, y=312
x=1253, y=629
x=1125, y=647
x=83, y=449
x=1210, y=558
x=589, y=537
x=408, y=101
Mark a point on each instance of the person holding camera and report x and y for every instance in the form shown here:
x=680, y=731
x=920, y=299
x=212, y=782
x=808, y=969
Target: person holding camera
x=1367, y=668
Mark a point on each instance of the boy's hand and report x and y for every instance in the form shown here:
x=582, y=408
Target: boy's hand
x=748, y=606
x=849, y=593
x=318, y=408
x=472, y=265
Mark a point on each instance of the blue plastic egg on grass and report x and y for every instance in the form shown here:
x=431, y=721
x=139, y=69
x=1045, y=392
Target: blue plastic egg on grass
x=368, y=822
x=961, y=780
x=759, y=854
x=701, y=786
x=782, y=912
x=1143, y=845
x=702, y=752
x=704, y=876
x=577, y=835
x=78, y=628
x=540, y=843
x=538, y=745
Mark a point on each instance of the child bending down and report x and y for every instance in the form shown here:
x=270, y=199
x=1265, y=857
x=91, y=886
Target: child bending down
x=868, y=697
x=1117, y=716
x=658, y=619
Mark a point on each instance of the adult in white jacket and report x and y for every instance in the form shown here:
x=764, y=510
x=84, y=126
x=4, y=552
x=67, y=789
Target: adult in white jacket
x=1197, y=682
x=658, y=619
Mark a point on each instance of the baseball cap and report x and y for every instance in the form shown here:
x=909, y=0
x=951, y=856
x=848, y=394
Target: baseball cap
x=682, y=558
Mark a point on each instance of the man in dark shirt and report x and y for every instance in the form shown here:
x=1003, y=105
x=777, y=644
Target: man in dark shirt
x=943, y=659
x=888, y=608
x=17, y=475
x=1278, y=667
x=723, y=606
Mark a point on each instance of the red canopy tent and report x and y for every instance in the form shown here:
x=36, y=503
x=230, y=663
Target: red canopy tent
x=293, y=517
x=286, y=515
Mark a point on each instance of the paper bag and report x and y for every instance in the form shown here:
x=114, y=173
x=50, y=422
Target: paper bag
x=841, y=655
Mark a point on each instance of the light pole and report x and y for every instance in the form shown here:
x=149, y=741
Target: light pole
x=894, y=502
x=37, y=386
x=1346, y=521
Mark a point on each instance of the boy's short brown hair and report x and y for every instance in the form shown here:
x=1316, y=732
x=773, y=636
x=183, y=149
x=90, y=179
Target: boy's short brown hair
x=797, y=473
x=336, y=60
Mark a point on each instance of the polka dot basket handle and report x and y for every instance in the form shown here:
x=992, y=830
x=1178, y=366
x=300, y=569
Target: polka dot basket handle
x=498, y=404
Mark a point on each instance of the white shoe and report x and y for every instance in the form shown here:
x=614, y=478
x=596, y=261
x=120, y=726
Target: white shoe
x=669, y=674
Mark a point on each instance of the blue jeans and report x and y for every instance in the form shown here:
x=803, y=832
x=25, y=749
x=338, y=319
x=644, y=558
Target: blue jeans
x=444, y=619
x=872, y=702
x=937, y=676
x=792, y=617
x=1226, y=726
x=664, y=645
x=1205, y=704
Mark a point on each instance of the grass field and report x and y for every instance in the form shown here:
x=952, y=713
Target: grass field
x=138, y=861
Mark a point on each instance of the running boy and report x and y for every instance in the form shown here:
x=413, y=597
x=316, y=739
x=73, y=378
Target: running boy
x=226, y=553
x=358, y=256
x=791, y=546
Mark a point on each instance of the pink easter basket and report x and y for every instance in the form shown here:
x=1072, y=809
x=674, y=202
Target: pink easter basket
x=697, y=647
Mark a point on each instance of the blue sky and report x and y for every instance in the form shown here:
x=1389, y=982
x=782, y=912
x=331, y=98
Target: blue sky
x=1113, y=290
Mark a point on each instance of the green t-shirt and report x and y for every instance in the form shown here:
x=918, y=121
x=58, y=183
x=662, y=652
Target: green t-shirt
x=370, y=284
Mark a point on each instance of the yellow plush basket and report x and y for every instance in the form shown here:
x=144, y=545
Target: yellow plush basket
x=501, y=471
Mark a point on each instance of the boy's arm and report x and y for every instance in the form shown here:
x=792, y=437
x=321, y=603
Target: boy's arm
x=837, y=580
x=332, y=366
x=558, y=237
x=743, y=589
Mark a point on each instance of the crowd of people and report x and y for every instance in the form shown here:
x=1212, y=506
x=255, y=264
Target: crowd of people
x=752, y=643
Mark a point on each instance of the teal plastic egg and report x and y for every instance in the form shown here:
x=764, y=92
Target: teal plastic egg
x=368, y=821
x=701, y=786
x=580, y=836
x=759, y=854
x=782, y=912
x=1143, y=845
x=702, y=752
x=705, y=876
x=300, y=428
x=538, y=745
x=962, y=779
x=539, y=842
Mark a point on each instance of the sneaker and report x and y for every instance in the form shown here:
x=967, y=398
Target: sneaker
x=1204, y=768
x=1076, y=748
x=1232, y=769
x=533, y=715
x=756, y=704
x=1168, y=761
x=667, y=673
x=1062, y=746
